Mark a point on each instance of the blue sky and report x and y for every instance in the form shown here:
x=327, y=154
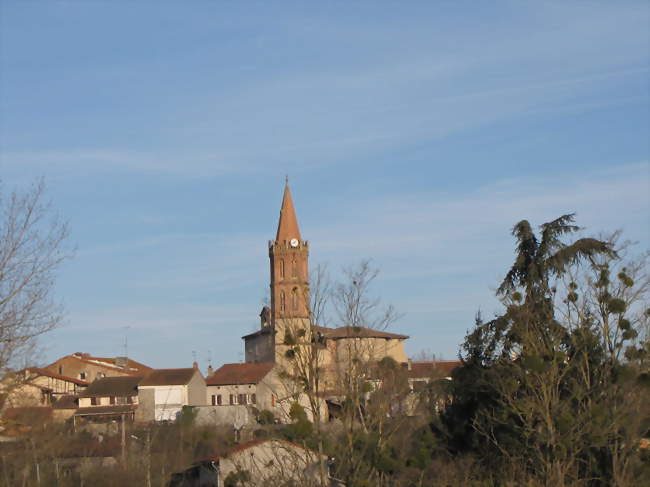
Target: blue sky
x=414, y=134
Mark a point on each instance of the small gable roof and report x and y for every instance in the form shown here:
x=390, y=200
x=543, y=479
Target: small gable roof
x=168, y=377
x=38, y=372
x=122, y=386
x=122, y=364
x=442, y=368
x=67, y=401
x=246, y=373
x=225, y=453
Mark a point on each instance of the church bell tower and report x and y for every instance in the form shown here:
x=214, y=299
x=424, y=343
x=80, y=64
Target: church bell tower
x=289, y=257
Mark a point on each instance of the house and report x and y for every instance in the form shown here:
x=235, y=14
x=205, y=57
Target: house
x=64, y=408
x=259, y=462
x=35, y=386
x=85, y=367
x=237, y=392
x=421, y=373
x=162, y=393
x=241, y=384
x=107, y=400
x=111, y=391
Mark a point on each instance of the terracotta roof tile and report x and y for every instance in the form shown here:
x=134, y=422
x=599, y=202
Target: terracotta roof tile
x=288, y=223
x=246, y=373
x=168, y=377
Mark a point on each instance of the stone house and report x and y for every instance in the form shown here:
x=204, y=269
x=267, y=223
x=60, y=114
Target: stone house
x=34, y=386
x=162, y=393
x=261, y=462
x=255, y=387
x=85, y=367
x=241, y=384
x=64, y=408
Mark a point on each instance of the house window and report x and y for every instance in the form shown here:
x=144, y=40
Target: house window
x=218, y=399
x=232, y=399
x=94, y=401
x=111, y=400
x=82, y=375
x=242, y=399
x=60, y=369
x=214, y=400
x=129, y=400
x=253, y=399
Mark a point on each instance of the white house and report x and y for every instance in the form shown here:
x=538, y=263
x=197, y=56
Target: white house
x=162, y=393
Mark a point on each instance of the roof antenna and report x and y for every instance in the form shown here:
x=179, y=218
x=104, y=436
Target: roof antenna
x=286, y=179
x=126, y=340
x=210, y=358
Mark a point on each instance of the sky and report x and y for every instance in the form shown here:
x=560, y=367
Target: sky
x=414, y=134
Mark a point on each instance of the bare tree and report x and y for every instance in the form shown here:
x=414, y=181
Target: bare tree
x=353, y=304
x=31, y=250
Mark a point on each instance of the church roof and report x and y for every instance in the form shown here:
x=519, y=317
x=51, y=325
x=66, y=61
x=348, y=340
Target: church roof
x=357, y=332
x=288, y=224
x=246, y=373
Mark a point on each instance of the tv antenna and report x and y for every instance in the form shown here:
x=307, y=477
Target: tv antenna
x=126, y=340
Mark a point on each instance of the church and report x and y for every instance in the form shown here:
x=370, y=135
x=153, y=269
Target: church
x=287, y=343
x=288, y=320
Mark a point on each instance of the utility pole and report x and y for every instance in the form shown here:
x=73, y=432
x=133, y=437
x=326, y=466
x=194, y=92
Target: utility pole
x=148, y=458
x=123, y=442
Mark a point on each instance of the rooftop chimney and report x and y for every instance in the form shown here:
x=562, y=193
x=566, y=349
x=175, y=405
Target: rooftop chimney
x=121, y=361
x=195, y=365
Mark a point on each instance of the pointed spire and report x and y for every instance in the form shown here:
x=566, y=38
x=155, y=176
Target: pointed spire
x=288, y=224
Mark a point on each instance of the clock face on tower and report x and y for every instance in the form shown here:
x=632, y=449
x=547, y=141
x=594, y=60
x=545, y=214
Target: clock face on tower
x=294, y=242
